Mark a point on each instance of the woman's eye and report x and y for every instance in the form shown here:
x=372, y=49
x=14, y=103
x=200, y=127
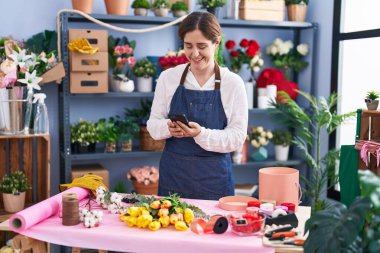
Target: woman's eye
x=202, y=47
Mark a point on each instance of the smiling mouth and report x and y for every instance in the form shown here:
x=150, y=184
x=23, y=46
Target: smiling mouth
x=197, y=60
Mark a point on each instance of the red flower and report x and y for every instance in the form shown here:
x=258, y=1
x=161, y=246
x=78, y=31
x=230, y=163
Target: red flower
x=269, y=76
x=253, y=48
x=234, y=53
x=289, y=87
x=230, y=44
x=244, y=43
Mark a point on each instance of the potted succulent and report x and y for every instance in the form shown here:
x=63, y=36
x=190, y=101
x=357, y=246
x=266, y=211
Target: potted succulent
x=212, y=6
x=144, y=70
x=281, y=139
x=179, y=9
x=372, y=100
x=161, y=8
x=84, y=136
x=141, y=7
x=128, y=128
x=13, y=187
x=297, y=9
x=108, y=132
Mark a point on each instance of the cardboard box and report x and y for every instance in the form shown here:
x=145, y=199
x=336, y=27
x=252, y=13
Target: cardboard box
x=88, y=82
x=97, y=169
x=262, y=10
x=97, y=62
x=54, y=74
x=97, y=38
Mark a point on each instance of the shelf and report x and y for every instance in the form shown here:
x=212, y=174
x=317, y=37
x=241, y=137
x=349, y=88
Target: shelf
x=152, y=20
x=102, y=155
x=267, y=163
x=116, y=95
x=24, y=136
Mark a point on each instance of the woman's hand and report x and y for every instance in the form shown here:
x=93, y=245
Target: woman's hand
x=179, y=130
x=175, y=130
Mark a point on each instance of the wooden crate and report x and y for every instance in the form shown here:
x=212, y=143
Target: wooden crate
x=262, y=10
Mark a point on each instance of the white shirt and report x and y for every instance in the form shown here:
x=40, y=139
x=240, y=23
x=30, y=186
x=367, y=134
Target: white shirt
x=234, y=100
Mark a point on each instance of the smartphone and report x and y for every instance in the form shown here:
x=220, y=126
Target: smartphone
x=179, y=117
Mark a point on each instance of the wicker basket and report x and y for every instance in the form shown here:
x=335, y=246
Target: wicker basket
x=147, y=143
x=150, y=189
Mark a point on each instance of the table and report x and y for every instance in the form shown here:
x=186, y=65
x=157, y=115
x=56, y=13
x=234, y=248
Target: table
x=117, y=236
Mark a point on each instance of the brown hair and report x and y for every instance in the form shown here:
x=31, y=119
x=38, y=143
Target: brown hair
x=203, y=21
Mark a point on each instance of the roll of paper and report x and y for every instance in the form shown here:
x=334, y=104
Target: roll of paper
x=42, y=210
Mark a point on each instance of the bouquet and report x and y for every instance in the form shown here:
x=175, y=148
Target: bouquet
x=120, y=53
x=260, y=137
x=248, y=53
x=144, y=175
x=172, y=59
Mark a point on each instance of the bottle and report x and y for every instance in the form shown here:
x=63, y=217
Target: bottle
x=29, y=108
x=41, y=121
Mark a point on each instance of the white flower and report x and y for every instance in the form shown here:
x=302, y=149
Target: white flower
x=283, y=49
x=289, y=44
x=269, y=135
x=303, y=49
x=31, y=80
x=261, y=62
x=262, y=140
x=171, y=53
x=255, y=144
x=259, y=129
x=278, y=42
x=263, y=134
x=20, y=57
x=256, y=69
x=274, y=50
x=180, y=52
x=255, y=59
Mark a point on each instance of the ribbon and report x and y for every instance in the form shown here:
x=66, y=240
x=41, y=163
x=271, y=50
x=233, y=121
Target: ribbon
x=217, y=224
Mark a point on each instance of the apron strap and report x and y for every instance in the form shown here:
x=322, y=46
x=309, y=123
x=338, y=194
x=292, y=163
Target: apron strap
x=217, y=76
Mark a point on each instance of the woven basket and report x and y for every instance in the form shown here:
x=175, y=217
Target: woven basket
x=147, y=143
x=151, y=189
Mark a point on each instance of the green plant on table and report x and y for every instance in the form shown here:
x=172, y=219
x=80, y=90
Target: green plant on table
x=282, y=137
x=84, y=132
x=372, y=95
x=179, y=6
x=309, y=126
x=158, y=4
x=144, y=68
x=128, y=128
x=108, y=131
x=140, y=4
x=14, y=183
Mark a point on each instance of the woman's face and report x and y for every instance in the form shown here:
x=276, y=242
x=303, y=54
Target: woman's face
x=199, y=50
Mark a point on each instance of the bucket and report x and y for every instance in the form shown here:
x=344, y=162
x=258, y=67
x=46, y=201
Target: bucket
x=280, y=184
x=11, y=111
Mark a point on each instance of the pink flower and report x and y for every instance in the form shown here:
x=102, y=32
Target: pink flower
x=131, y=61
x=145, y=175
x=128, y=49
x=119, y=50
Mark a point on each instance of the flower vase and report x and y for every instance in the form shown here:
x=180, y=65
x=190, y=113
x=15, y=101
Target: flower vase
x=126, y=145
x=144, y=84
x=260, y=154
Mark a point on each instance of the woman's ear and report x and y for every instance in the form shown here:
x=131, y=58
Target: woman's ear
x=217, y=42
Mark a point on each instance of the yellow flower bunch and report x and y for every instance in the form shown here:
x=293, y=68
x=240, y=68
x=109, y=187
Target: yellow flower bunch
x=82, y=46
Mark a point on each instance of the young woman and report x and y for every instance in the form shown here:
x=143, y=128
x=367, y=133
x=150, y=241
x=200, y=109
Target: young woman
x=196, y=162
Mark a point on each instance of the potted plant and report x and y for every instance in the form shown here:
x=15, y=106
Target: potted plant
x=260, y=137
x=84, y=136
x=372, y=100
x=281, y=139
x=179, y=9
x=297, y=9
x=128, y=129
x=141, y=7
x=117, y=7
x=145, y=179
x=161, y=8
x=144, y=70
x=108, y=132
x=212, y=6
x=13, y=187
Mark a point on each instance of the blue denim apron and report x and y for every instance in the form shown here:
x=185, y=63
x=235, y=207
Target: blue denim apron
x=185, y=167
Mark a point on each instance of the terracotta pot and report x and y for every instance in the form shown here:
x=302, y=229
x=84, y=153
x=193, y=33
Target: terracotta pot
x=117, y=7
x=83, y=5
x=150, y=189
x=297, y=12
x=140, y=12
x=13, y=203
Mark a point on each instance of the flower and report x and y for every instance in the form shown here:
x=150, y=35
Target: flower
x=121, y=56
x=172, y=59
x=248, y=53
x=259, y=136
x=144, y=175
x=31, y=80
x=284, y=55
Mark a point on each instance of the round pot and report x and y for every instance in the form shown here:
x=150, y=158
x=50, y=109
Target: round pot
x=150, y=189
x=372, y=105
x=144, y=84
x=126, y=146
x=281, y=152
x=140, y=12
x=13, y=203
x=178, y=14
x=83, y=5
x=162, y=12
x=297, y=12
x=127, y=86
x=110, y=147
x=119, y=7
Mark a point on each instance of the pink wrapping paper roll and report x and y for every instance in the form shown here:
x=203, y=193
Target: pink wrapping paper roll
x=42, y=210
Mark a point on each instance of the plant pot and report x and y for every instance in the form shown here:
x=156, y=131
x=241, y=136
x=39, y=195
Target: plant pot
x=110, y=147
x=13, y=203
x=372, y=105
x=144, y=84
x=126, y=145
x=147, y=143
x=281, y=152
x=260, y=154
x=297, y=12
x=178, y=14
x=119, y=7
x=83, y=5
x=127, y=86
x=150, y=189
x=140, y=12
x=81, y=148
x=161, y=12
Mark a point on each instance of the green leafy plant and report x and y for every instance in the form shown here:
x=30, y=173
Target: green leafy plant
x=128, y=128
x=14, y=183
x=212, y=3
x=158, y=4
x=42, y=42
x=141, y=4
x=179, y=6
x=288, y=2
x=144, y=68
x=120, y=187
x=140, y=115
x=320, y=116
x=84, y=132
x=372, y=95
x=108, y=130
x=282, y=137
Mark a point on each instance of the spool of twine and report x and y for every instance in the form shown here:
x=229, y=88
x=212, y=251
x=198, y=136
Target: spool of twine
x=70, y=210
